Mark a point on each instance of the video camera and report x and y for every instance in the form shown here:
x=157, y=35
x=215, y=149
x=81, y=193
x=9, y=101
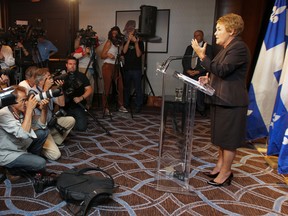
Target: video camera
x=19, y=33
x=88, y=36
x=53, y=122
x=7, y=98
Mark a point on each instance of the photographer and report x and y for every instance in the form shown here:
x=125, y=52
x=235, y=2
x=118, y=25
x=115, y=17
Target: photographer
x=23, y=134
x=110, y=71
x=7, y=61
x=50, y=151
x=59, y=124
x=133, y=50
x=76, y=89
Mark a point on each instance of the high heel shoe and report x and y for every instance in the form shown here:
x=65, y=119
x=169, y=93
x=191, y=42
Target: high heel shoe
x=226, y=182
x=211, y=175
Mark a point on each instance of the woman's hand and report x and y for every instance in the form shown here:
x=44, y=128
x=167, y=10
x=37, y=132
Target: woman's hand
x=200, y=51
x=204, y=79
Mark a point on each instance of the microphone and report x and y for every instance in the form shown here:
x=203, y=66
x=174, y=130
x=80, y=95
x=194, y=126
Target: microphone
x=163, y=67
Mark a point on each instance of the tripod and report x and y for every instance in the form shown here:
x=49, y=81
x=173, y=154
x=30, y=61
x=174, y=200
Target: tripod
x=37, y=57
x=95, y=119
x=93, y=78
x=144, y=76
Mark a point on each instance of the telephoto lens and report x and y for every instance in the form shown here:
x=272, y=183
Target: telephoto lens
x=48, y=94
x=7, y=98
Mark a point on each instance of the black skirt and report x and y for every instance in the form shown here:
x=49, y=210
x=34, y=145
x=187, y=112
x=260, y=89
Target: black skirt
x=228, y=126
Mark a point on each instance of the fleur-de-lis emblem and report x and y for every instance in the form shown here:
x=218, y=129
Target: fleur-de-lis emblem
x=275, y=12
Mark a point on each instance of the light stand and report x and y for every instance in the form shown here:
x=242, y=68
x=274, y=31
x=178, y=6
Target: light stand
x=144, y=76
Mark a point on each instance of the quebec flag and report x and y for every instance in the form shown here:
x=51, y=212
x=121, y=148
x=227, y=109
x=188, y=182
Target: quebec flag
x=265, y=80
x=278, y=130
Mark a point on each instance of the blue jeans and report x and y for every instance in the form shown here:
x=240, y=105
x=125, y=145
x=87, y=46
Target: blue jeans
x=31, y=161
x=133, y=76
x=80, y=116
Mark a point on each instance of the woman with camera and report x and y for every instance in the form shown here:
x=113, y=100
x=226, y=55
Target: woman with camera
x=111, y=68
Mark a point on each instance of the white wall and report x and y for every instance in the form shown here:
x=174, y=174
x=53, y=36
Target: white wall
x=186, y=16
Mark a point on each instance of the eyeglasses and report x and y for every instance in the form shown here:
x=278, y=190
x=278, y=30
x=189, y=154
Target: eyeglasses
x=22, y=100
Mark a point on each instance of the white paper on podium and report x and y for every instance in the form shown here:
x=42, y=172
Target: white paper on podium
x=207, y=89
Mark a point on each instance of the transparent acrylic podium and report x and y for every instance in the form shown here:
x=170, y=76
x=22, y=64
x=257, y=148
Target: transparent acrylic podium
x=175, y=147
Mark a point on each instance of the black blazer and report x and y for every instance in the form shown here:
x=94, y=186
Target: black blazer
x=228, y=72
x=186, y=61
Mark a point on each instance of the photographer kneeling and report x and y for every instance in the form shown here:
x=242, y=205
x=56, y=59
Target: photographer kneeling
x=23, y=134
x=59, y=124
x=76, y=89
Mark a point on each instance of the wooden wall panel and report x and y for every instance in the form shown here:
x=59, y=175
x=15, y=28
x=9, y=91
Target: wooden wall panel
x=255, y=14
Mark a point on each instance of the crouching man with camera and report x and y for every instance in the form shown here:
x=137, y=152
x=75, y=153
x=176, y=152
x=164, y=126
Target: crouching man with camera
x=76, y=89
x=59, y=124
x=23, y=134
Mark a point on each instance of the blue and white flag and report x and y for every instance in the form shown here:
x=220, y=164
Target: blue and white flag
x=264, y=85
x=278, y=131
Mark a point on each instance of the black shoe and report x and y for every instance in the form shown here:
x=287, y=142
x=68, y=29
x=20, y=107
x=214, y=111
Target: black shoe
x=211, y=175
x=203, y=113
x=138, y=110
x=226, y=182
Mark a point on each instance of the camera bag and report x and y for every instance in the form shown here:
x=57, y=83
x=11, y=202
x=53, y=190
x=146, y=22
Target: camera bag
x=78, y=187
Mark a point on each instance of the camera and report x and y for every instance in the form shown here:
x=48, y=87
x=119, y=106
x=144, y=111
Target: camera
x=88, y=36
x=41, y=182
x=48, y=94
x=118, y=40
x=7, y=98
x=59, y=75
x=53, y=122
x=72, y=85
x=19, y=33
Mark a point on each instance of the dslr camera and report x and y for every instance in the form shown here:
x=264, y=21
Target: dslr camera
x=73, y=85
x=42, y=182
x=53, y=122
x=44, y=95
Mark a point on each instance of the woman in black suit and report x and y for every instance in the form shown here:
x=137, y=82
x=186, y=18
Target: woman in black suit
x=227, y=75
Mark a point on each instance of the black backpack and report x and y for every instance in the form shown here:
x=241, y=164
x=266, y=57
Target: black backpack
x=85, y=190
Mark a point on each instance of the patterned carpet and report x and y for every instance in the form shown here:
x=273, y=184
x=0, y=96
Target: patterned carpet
x=130, y=156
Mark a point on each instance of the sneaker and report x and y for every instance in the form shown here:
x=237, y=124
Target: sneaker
x=123, y=109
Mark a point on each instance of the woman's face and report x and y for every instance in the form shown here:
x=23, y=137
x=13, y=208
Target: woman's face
x=114, y=33
x=223, y=37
